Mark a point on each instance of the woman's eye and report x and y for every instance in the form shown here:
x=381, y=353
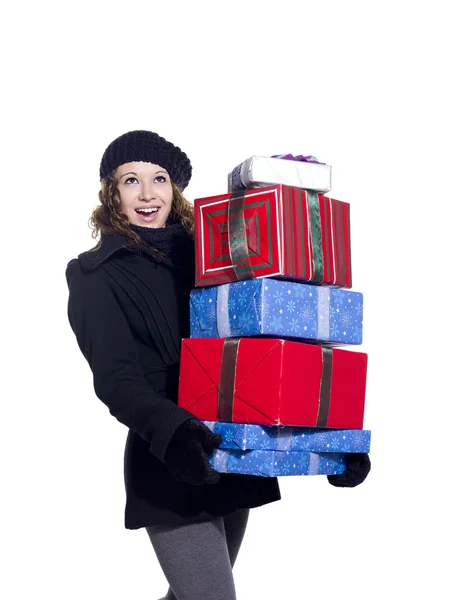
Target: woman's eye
x=131, y=180
x=160, y=179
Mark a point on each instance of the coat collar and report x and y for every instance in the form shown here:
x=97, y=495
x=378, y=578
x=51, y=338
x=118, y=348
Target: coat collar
x=108, y=246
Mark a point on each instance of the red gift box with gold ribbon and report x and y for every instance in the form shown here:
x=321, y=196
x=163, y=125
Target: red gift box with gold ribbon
x=272, y=382
x=274, y=231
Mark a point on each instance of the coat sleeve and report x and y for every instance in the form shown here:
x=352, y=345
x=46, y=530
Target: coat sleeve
x=107, y=343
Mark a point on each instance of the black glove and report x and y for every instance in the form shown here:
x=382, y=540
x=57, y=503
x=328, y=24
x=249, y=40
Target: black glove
x=187, y=453
x=357, y=468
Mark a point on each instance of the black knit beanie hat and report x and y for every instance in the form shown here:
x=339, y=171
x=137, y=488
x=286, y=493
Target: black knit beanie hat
x=147, y=146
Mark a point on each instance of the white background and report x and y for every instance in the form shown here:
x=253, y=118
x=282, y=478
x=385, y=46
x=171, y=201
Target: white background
x=362, y=86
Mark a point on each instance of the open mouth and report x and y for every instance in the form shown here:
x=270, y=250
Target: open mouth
x=148, y=214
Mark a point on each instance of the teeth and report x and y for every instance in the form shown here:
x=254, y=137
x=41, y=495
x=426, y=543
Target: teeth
x=147, y=210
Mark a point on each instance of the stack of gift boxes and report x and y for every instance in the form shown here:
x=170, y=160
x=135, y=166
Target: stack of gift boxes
x=270, y=308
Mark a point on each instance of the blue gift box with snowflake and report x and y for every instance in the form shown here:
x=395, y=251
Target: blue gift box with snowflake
x=277, y=308
x=243, y=436
x=272, y=463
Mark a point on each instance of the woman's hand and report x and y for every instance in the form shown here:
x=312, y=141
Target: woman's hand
x=357, y=468
x=187, y=454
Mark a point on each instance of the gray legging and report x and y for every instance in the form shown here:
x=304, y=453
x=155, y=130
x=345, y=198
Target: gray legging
x=197, y=558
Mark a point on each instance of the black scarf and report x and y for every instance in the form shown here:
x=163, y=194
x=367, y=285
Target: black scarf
x=173, y=241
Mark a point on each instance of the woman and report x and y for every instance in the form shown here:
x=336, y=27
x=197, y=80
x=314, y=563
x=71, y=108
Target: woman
x=129, y=309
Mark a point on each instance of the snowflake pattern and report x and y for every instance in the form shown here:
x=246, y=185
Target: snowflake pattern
x=245, y=322
x=211, y=311
x=264, y=444
x=335, y=331
x=300, y=291
x=243, y=436
x=278, y=297
x=272, y=463
x=242, y=298
x=279, y=308
x=294, y=325
x=346, y=319
x=232, y=304
x=302, y=458
x=358, y=439
x=306, y=313
x=276, y=322
x=200, y=301
x=252, y=438
x=228, y=437
x=291, y=306
x=339, y=297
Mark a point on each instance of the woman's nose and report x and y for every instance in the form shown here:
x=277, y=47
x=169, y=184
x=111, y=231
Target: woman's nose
x=147, y=191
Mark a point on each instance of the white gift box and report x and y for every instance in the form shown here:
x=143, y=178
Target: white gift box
x=260, y=171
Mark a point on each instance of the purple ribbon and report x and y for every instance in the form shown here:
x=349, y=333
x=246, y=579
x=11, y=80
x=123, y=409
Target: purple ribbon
x=300, y=157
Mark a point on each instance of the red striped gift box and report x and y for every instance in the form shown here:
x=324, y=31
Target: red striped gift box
x=275, y=231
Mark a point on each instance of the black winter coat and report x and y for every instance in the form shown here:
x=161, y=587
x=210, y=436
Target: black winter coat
x=129, y=313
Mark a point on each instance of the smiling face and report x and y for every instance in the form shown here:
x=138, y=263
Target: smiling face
x=146, y=193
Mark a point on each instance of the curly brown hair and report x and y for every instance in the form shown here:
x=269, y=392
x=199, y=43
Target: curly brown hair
x=108, y=218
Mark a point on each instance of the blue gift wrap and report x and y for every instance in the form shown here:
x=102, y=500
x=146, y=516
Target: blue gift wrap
x=277, y=308
x=272, y=463
x=239, y=436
